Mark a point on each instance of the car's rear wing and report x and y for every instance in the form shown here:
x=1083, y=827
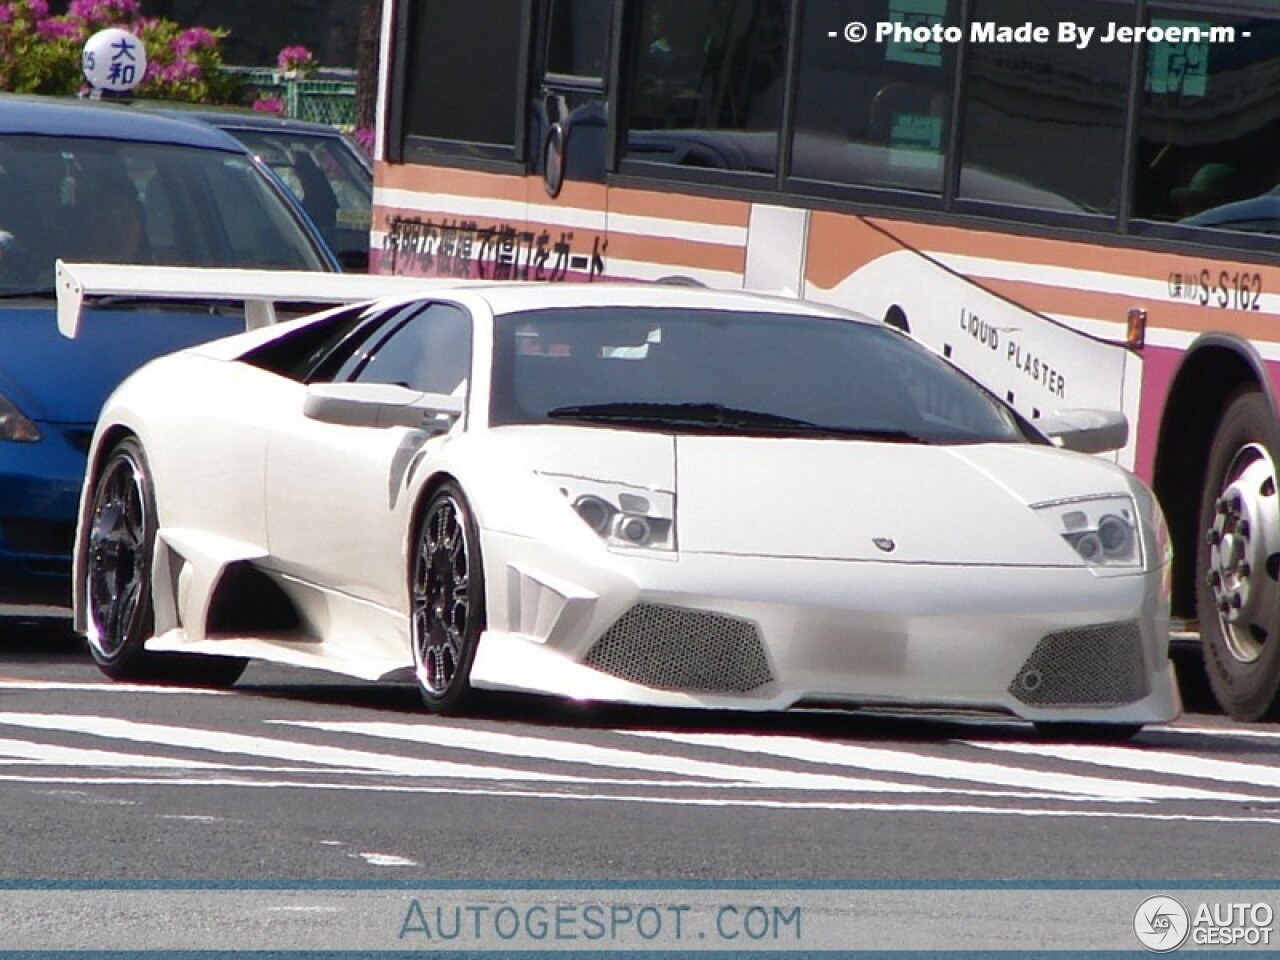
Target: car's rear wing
x=258, y=290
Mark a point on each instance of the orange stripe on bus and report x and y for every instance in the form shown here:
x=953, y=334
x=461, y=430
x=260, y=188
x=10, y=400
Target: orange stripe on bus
x=839, y=244
x=674, y=206
x=677, y=253
x=1166, y=314
x=1064, y=253
x=451, y=180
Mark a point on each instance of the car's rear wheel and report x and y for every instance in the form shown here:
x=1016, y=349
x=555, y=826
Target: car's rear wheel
x=121, y=549
x=446, y=592
x=1238, y=562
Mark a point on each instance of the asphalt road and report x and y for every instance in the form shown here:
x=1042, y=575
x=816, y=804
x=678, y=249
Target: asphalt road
x=297, y=776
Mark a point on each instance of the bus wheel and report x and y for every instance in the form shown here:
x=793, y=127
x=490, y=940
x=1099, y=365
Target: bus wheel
x=1238, y=562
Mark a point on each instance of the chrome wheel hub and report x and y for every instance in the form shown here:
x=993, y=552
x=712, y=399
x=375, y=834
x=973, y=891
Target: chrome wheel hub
x=1244, y=553
x=441, y=603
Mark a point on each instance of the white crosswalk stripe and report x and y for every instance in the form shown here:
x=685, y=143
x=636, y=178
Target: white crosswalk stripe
x=1174, y=774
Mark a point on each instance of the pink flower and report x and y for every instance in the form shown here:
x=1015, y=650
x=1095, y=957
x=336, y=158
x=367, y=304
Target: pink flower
x=104, y=11
x=57, y=29
x=295, y=58
x=273, y=105
x=196, y=38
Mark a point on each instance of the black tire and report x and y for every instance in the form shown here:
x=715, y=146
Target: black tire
x=1088, y=732
x=121, y=550
x=446, y=602
x=1238, y=562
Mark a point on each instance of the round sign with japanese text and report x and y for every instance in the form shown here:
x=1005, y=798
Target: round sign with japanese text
x=114, y=60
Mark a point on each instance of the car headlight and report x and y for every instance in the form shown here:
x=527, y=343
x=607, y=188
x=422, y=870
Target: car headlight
x=622, y=516
x=1104, y=530
x=15, y=425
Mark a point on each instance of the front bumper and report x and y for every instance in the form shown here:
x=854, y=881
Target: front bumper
x=1050, y=644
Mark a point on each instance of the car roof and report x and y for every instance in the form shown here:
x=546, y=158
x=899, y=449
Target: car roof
x=50, y=116
x=243, y=119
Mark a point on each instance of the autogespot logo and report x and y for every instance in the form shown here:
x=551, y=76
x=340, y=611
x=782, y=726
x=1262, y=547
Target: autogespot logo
x=1161, y=924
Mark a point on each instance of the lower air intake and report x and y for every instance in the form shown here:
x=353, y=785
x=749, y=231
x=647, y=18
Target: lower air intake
x=671, y=648
x=1096, y=666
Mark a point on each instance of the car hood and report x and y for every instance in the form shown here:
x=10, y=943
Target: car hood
x=56, y=380
x=841, y=499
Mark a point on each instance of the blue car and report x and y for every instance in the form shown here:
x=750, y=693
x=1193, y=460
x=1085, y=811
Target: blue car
x=92, y=182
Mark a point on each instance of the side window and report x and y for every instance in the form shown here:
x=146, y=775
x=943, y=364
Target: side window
x=1044, y=122
x=875, y=112
x=463, y=71
x=1209, y=122
x=705, y=83
x=428, y=351
x=568, y=118
x=577, y=35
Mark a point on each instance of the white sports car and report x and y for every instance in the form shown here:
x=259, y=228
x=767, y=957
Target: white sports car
x=644, y=494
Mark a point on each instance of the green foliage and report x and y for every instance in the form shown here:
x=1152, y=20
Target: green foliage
x=40, y=53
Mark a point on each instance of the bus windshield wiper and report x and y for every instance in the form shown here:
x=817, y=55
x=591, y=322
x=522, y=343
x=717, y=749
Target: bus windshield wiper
x=719, y=417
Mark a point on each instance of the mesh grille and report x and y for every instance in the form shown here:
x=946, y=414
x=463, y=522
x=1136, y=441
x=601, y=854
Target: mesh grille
x=1100, y=665
x=675, y=649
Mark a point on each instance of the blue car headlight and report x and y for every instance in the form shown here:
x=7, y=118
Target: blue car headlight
x=15, y=425
x=1104, y=531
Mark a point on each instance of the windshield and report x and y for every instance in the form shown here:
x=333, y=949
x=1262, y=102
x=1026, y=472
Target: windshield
x=689, y=370
x=326, y=174
x=106, y=201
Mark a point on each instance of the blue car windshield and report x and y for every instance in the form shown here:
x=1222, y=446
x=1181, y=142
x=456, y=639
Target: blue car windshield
x=103, y=201
x=686, y=370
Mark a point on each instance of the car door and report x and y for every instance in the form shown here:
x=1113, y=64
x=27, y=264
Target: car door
x=337, y=504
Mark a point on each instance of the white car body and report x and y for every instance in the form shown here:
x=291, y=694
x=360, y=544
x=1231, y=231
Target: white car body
x=799, y=569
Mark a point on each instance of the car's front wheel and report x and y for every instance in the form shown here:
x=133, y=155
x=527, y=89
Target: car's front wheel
x=121, y=549
x=446, y=592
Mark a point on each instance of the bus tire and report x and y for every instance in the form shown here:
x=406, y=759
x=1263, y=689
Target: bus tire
x=1238, y=561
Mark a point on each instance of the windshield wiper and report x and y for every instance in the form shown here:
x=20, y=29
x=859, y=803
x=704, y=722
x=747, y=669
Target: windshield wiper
x=718, y=416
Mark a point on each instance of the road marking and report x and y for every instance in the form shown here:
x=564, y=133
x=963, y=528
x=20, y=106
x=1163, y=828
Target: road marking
x=52, y=755
x=8, y=683
x=567, y=751
x=1136, y=758
x=896, y=761
x=243, y=744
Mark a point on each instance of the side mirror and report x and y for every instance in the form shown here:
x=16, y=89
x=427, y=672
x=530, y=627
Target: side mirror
x=1086, y=431
x=381, y=405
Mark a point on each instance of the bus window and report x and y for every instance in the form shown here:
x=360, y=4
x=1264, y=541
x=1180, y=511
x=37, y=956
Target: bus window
x=873, y=113
x=577, y=38
x=464, y=60
x=705, y=83
x=567, y=115
x=1209, y=123
x=1035, y=110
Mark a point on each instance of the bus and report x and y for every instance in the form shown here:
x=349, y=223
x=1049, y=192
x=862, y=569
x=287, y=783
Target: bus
x=1075, y=201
